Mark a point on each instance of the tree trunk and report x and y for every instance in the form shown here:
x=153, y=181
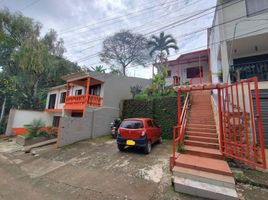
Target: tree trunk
x=124, y=70
x=3, y=109
x=35, y=88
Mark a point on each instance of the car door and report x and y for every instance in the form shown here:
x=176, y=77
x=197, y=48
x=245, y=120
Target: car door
x=158, y=131
x=150, y=131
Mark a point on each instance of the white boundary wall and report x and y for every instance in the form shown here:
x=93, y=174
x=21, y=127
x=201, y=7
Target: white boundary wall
x=20, y=118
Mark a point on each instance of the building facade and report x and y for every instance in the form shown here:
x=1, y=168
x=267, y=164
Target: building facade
x=193, y=66
x=82, y=108
x=238, y=43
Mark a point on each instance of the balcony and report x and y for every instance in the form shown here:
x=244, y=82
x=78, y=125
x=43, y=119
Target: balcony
x=250, y=69
x=81, y=101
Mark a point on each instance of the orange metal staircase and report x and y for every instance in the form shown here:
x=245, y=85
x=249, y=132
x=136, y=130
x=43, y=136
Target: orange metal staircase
x=200, y=169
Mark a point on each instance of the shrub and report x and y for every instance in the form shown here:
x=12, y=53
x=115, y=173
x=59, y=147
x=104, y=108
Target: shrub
x=34, y=128
x=162, y=109
x=135, y=90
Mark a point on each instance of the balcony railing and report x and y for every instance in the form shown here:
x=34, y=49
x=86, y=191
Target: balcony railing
x=81, y=100
x=248, y=70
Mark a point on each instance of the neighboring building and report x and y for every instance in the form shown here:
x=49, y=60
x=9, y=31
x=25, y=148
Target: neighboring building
x=238, y=40
x=193, y=66
x=238, y=43
x=93, y=101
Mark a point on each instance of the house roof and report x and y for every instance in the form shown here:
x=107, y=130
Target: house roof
x=96, y=75
x=190, y=57
x=63, y=86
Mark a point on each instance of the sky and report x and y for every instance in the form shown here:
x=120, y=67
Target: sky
x=83, y=24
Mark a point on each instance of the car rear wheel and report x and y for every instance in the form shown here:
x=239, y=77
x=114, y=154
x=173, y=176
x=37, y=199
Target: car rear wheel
x=148, y=147
x=121, y=147
x=160, y=140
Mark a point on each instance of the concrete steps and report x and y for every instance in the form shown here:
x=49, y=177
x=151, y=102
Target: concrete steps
x=205, y=190
x=202, y=139
x=206, y=177
x=201, y=169
x=203, y=152
x=212, y=165
x=202, y=144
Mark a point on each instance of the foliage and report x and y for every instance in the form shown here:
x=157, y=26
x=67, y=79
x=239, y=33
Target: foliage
x=37, y=129
x=135, y=90
x=157, y=88
x=2, y=127
x=162, y=109
x=160, y=48
x=34, y=128
x=31, y=63
x=125, y=48
x=115, y=70
x=99, y=68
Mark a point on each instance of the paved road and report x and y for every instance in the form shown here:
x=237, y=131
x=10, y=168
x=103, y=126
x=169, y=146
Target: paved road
x=92, y=169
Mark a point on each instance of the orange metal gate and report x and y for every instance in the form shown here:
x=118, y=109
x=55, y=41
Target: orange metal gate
x=241, y=134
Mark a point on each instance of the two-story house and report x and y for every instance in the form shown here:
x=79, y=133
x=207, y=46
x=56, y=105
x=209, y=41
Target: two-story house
x=238, y=43
x=190, y=67
x=82, y=108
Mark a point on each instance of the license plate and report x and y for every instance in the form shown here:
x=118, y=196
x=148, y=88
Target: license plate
x=130, y=142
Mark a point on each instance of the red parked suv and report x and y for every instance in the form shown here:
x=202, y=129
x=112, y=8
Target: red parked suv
x=138, y=132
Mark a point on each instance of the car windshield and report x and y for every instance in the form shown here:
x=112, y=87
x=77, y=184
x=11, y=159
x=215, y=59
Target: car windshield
x=132, y=124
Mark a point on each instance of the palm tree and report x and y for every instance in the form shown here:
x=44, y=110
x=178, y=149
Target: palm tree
x=160, y=47
x=99, y=68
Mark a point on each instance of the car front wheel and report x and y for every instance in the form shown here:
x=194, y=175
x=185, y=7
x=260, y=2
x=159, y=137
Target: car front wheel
x=121, y=147
x=148, y=147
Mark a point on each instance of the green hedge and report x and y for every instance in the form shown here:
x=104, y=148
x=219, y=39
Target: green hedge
x=162, y=109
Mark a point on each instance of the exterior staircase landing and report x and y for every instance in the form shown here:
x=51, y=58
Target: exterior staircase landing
x=201, y=169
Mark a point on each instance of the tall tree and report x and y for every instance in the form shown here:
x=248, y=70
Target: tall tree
x=125, y=49
x=160, y=48
x=35, y=63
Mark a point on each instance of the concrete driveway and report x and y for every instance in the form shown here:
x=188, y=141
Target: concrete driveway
x=92, y=169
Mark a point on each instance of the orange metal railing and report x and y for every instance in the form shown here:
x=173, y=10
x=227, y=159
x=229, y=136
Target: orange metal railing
x=80, y=99
x=240, y=125
x=92, y=100
x=178, y=131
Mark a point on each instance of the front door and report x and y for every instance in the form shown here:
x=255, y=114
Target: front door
x=52, y=101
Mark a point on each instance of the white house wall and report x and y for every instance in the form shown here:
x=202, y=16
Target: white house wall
x=20, y=118
x=223, y=34
x=58, y=92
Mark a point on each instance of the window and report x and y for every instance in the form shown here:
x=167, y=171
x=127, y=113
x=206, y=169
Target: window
x=150, y=124
x=155, y=124
x=95, y=90
x=194, y=72
x=169, y=73
x=132, y=124
x=77, y=114
x=52, y=101
x=56, y=121
x=256, y=6
x=78, y=92
x=62, y=97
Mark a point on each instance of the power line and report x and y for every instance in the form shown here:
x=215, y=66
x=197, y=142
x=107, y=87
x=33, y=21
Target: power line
x=115, y=18
x=29, y=5
x=184, y=35
x=133, y=28
x=214, y=43
x=183, y=21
